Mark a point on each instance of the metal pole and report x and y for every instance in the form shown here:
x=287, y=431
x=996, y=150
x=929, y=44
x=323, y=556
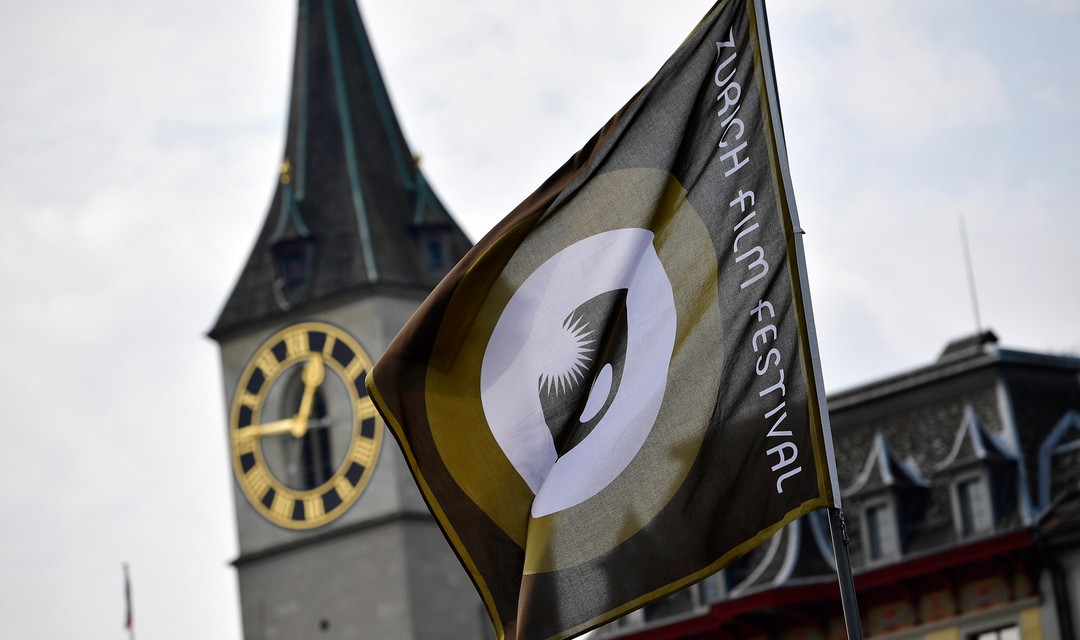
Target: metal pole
x=836, y=515
x=130, y=621
x=971, y=276
x=843, y=574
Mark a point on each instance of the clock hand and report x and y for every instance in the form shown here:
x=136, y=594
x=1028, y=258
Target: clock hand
x=268, y=428
x=313, y=375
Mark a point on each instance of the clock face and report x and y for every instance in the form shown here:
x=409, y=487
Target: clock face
x=304, y=433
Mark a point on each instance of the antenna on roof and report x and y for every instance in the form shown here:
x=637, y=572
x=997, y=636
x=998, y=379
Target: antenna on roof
x=971, y=276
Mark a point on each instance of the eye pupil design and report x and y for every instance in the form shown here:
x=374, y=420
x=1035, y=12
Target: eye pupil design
x=598, y=394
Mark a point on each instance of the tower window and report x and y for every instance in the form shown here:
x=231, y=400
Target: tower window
x=294, y=268
x=436, y=254
x=293, y=259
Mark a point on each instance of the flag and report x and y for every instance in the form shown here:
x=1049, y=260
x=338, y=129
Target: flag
x=613, y=395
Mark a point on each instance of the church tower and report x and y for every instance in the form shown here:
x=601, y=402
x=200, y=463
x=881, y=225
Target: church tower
x=335, y=541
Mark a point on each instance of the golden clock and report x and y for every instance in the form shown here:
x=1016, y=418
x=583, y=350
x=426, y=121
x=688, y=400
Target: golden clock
x=304, y=433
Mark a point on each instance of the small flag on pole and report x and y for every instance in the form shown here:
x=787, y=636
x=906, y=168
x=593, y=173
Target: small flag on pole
x=129, y=620
x=614, y=395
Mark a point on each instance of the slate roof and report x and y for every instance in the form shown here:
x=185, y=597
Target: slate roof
x=351, y=203
x=1060, y=521
x=979, y=406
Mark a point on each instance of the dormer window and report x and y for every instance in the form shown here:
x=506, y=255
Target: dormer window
x=436, y=254
x=433, y=232
x=292, y=261
x=879, y=522
x=973, y=506
x=981, y=472
x=434, y=246
x=292, y=246
x=1011, y=632
x=889, y=494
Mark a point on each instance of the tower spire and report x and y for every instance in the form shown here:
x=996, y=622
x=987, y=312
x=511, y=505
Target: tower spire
x=351, y=209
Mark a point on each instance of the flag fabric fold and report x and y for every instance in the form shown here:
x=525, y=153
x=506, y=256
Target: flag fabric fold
x=611, y=396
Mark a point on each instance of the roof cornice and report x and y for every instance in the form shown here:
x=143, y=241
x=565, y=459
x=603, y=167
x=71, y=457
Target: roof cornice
x=946, y=367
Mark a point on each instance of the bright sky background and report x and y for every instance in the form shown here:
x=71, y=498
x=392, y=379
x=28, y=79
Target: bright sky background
x=141, y=143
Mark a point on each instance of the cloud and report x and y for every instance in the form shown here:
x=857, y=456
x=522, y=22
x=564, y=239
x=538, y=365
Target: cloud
x=891, y=269
x=1056, y=6
x=495, y=101
x=882, y=72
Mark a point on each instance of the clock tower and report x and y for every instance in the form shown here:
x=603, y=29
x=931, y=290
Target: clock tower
x=335, y=540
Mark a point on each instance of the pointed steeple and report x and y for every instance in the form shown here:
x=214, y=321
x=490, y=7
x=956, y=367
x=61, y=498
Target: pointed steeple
x=351, y=209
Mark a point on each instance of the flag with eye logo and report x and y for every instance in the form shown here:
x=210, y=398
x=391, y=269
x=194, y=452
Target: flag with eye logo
x=614, y=394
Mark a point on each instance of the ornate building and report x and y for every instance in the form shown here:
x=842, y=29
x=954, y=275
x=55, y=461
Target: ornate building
x=335, y=541
x=960, y=486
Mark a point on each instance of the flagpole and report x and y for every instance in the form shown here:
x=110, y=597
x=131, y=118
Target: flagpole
x=848, y=600
x=971, y=276
x=129, y=621
x=846, y=582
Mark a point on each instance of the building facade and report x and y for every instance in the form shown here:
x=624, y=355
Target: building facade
x=960, y=487
x=335, y=540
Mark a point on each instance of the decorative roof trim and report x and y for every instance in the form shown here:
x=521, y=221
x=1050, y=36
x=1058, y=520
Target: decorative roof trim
x=289, y=212
x=382, y=96
x=987, y=446
x=421, y=200
x=1049, y=447
x=1008, y=419
x=882, y=457
x=349, y=142
x=911, y=470
x=868, y=466
x=303, y=68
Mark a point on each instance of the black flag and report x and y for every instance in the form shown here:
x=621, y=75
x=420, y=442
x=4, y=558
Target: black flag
x=612, y=396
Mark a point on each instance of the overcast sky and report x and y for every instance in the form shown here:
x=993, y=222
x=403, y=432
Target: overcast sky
x=141, y=142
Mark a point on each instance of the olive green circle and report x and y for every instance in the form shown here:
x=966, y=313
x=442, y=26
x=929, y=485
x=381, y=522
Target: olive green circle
x=632, y=198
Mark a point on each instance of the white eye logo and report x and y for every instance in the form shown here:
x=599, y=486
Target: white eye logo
x=538, y=343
